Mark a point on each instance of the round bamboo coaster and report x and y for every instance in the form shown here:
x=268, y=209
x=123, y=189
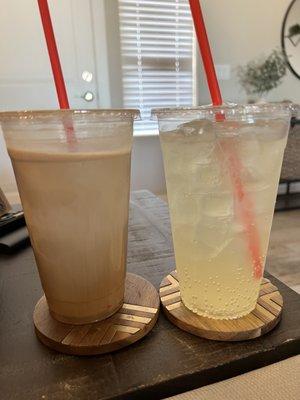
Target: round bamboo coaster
x=261, y=320
x=133, y=321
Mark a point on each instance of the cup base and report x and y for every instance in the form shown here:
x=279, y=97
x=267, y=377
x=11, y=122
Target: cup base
x=264, y=317
x=134, y=320
x=87, y=312
x=89, y=320
x=220, y=317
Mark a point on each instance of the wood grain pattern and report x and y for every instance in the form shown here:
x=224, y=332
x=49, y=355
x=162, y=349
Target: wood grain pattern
x=261, y=320
x=166, y=362
x=132, y=322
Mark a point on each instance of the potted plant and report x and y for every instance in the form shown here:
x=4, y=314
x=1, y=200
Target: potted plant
x=260, y=76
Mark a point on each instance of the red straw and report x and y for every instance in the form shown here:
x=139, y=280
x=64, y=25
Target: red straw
x=53, y=55
x=208, y=62
x=246, y=206
x=55, y=64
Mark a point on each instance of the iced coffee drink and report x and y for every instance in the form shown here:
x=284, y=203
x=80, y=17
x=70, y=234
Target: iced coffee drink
x=75, y=197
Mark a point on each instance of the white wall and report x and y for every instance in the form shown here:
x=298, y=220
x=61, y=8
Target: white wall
x=239, y=31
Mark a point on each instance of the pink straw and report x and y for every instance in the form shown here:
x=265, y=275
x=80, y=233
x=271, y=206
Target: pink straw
x=55, y=64
x=246, y=207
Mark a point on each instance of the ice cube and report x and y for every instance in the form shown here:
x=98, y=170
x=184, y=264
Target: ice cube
x=199, y=129
x=262, y=198
x=199, y=140
x=227, y=128
x=215, y=251
x=269, y=130
x=249, y=151
x=204, y=178
x=271, y=156
x=261, y=145
x=184, y=207
x=218, y=204
x=238, y=227
x=215, y=236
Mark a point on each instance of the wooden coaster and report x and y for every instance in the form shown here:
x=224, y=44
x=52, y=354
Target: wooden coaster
x=133, y=321
x=261, y=320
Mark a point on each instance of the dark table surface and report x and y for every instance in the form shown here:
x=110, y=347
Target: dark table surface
x=168, y=361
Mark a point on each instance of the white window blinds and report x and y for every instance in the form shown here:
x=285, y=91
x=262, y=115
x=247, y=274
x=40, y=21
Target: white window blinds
x=157, y=56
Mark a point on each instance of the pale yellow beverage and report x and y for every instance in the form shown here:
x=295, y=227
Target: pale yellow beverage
x=211, y=242
x=75, y=197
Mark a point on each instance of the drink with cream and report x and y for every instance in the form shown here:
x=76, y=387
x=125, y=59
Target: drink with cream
x=75, y=197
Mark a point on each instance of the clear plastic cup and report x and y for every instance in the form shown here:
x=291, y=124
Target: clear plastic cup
x=222, y=167
x=75, y=196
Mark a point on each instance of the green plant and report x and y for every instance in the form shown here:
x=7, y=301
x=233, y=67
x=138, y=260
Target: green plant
x=261, y=76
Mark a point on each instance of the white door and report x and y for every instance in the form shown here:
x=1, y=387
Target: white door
x=25, y=74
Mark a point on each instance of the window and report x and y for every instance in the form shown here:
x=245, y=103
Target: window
x=157, y=56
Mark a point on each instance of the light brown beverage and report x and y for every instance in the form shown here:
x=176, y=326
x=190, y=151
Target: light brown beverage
x=75, y=200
